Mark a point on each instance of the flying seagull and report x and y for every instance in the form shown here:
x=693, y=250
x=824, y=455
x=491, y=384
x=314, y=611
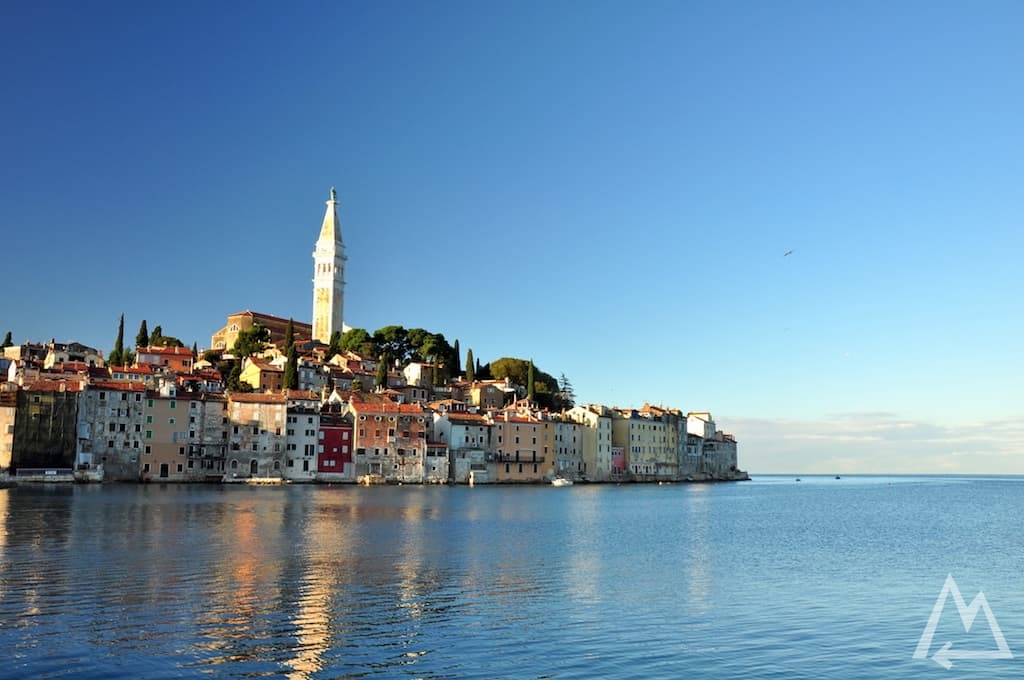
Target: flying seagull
x=787, y=253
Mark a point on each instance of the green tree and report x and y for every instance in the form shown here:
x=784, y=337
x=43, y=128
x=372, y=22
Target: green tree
x=531, y=388
x=195, y=352
x=289, y=335
x=357, y=385
x=566, y=395
x=290, y=380
x=156, y=335
x=234, y=381
x=116, y=357
x=252, y=341
x=435, y=372
x=382, y=373
x=456, y=367
x=142, y=338
x=7, y=340
x=470, y=366
x=356, y=340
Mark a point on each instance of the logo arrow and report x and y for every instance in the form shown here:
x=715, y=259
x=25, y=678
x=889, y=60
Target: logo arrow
x=943, y=656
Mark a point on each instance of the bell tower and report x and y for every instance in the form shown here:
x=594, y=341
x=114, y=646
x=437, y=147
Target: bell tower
x=329, y=275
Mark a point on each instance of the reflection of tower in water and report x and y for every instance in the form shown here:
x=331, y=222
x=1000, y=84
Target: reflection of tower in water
x=699, y=575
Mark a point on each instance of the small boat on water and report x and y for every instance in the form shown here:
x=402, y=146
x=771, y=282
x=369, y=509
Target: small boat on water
x=266, y=481
x=561, y=481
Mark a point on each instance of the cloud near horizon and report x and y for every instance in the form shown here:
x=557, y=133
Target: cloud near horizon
x=879, y=442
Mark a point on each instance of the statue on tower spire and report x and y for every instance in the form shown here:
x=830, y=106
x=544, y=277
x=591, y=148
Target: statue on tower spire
x=334, y=194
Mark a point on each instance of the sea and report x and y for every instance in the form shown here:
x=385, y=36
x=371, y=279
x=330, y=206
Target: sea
x=777, y=577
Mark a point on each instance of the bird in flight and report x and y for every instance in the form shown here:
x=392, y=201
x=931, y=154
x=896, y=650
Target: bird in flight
x=787, y=253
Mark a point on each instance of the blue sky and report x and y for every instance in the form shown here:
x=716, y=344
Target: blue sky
x=606, y=187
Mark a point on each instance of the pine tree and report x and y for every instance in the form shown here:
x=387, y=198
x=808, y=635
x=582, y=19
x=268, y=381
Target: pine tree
x=142, y=339
x=457, y=358
x=7, y=340
x=155, y=336
x=291, y=369
x=470, y=375
x=530, y=393
x=116, y=357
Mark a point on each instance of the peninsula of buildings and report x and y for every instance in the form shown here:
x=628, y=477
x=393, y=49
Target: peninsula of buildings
x=275, y=400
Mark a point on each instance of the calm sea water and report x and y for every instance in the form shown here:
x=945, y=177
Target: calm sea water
x=771, y=578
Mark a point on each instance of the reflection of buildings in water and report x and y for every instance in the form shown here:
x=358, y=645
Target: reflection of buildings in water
x=327, y=536
x=699, y=576
x=245, y=585
x=584, y=558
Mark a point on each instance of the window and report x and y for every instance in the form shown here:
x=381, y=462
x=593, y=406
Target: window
x=149, y=435
x=254, y=447
x=148, y=450
x=103, y=396
x=170, y=421
x=181, y=452
x=149, y=403
x=149, y=419
x=138, y=428
x=173, y=403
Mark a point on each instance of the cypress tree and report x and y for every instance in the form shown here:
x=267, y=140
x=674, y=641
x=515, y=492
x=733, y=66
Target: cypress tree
x=289, y=335
x=116, y=357
x=457, y=358
x=435, y=378
x=530, y=393
x=382, y=373
x=470, y=375
x=142, y=339
x=7, y=340
x=291, y=369
x=195, y=352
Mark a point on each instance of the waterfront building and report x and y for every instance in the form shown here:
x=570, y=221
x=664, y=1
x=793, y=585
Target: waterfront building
x=645, y=438
x=467, y=437
x=111, y=416
x=8, y=412
x=523, y=447
x=165, y=438
x=568, y=448
x=335, y=444
x=207, y=435
x=302, y=436
x=390, y=439
x=596, y=439
x=45, y=427
x=717, y=450
x=329, y=276
x=257, y=435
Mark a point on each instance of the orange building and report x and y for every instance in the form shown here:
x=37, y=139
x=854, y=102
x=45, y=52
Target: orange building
x=390, y=439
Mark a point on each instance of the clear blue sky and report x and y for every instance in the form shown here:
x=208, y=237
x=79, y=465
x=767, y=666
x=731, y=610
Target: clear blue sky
x=606, y=187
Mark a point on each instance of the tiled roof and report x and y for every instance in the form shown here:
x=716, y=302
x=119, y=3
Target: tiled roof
x=257, y=398
x=117, y=385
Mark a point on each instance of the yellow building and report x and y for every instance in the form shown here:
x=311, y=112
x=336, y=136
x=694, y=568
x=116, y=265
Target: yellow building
x=165, y=437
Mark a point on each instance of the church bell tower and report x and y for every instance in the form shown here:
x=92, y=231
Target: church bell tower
x=329, y=275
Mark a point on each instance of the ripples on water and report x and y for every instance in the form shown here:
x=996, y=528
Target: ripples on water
x=766, y=579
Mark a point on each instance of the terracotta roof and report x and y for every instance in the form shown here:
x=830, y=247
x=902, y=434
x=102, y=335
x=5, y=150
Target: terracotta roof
x=271, y=317
x=54, y=386
x=257, y=398
x=165, y=350
x=385, y=407
x=117, y=385
x=467, y=418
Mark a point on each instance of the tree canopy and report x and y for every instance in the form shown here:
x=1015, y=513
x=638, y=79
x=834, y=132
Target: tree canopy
x=252, y=341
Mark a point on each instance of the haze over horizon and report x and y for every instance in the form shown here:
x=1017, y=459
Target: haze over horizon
x=802, y=217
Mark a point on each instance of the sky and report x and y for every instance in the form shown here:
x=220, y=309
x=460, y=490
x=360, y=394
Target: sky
x=804, y=217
